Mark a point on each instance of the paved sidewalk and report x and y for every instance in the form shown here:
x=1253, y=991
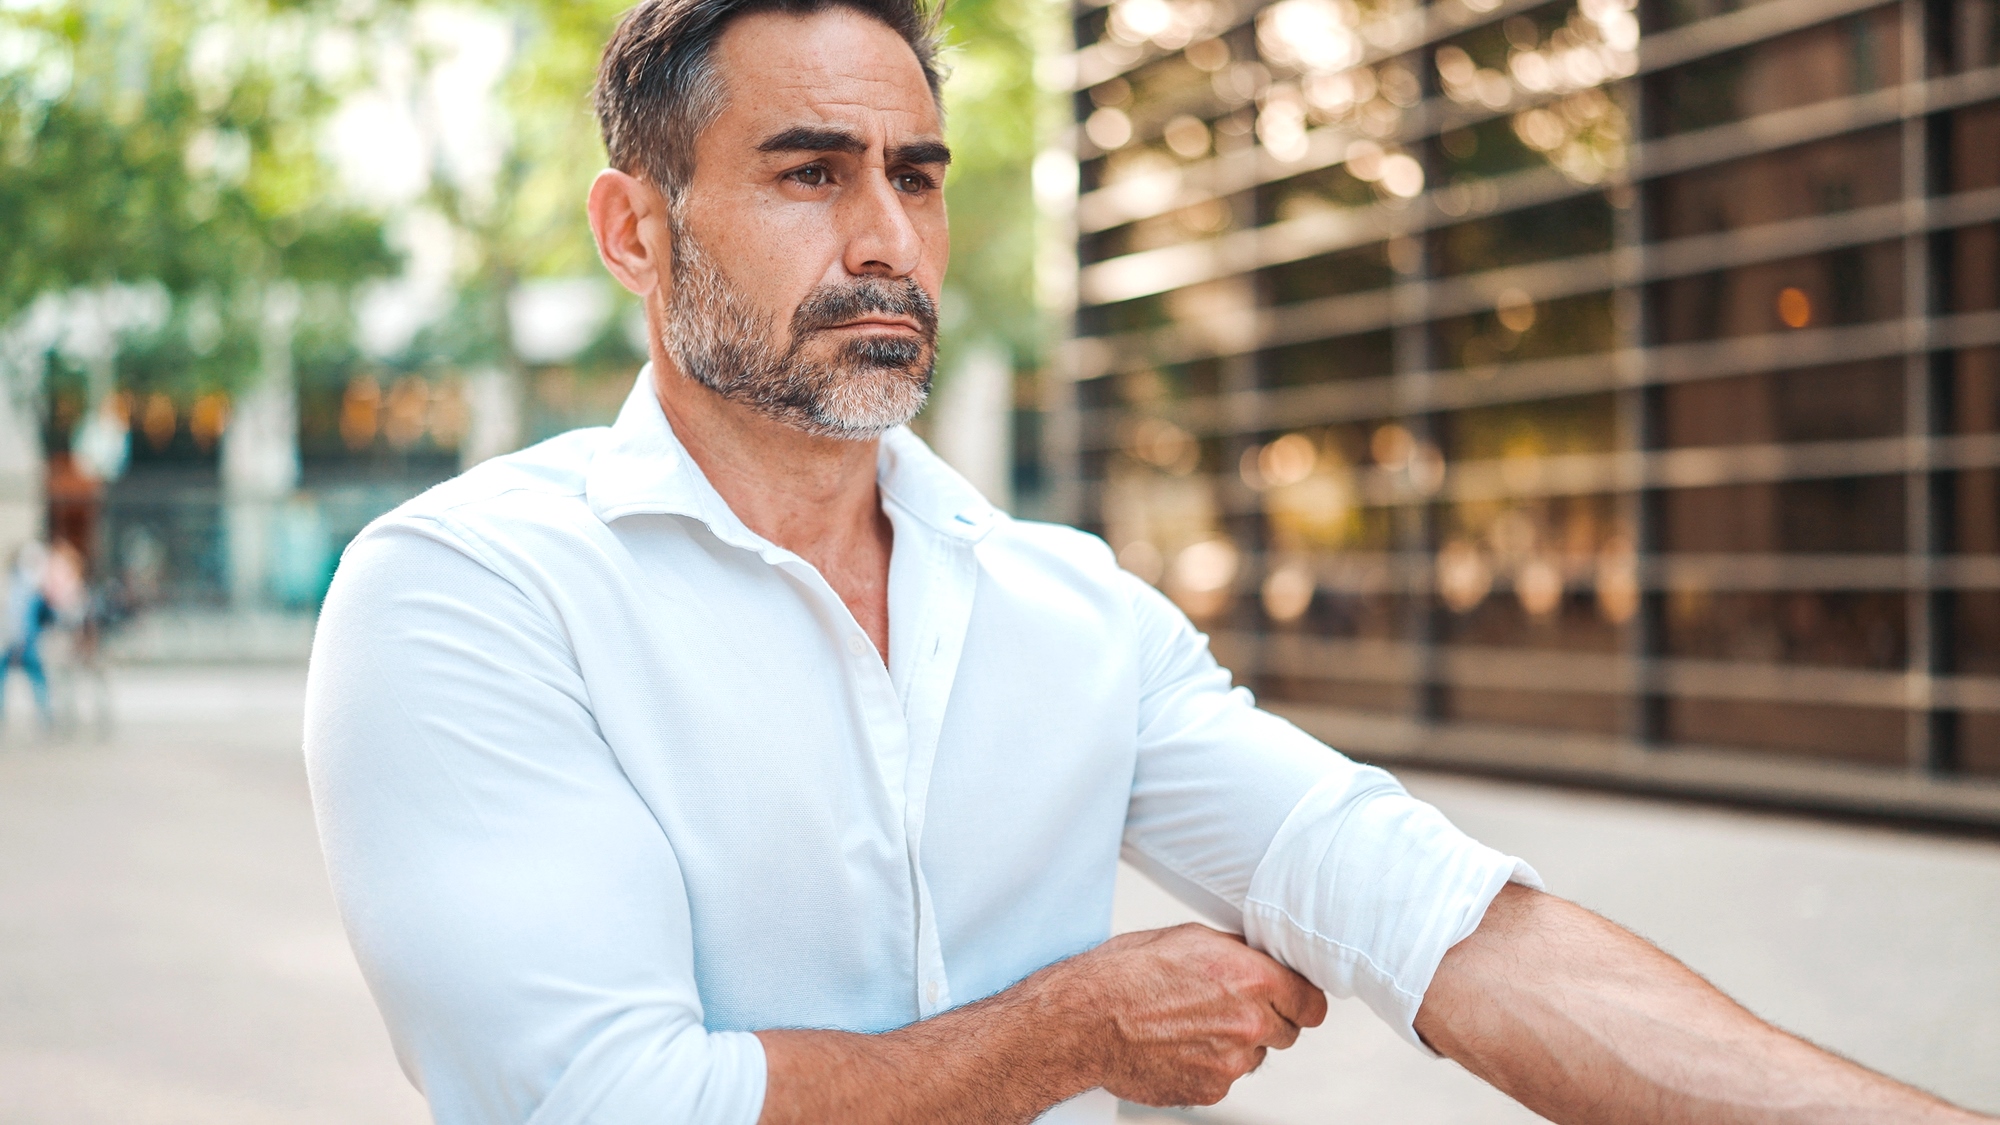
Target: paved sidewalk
x=169, y=953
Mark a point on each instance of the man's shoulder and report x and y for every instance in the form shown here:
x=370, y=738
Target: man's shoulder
x=1055, y=541
x=534, y=485
x=1064, y=556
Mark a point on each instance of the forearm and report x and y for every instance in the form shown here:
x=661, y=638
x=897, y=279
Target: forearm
x=1582, y=1021
x=1162, y=1017
x=1001, y=1061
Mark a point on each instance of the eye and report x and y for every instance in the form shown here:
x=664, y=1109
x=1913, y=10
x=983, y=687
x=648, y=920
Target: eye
x=812, y=175
x=914, y=183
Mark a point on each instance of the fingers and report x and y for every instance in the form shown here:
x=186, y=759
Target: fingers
x=1294, y=998
x=1299, y=1000
x=1198, y=1009
x=1283, y=1034
x=1296, y=1001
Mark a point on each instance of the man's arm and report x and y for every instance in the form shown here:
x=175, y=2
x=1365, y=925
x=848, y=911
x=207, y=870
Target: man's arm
x=1164, y=1017
x=1582, y=1021
x=512, y=902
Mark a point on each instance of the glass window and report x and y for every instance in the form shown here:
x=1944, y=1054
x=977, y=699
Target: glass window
x=1665, y=15
x=1846, y=629
x=1966, y=35
x=1525, y=330
x=1860, y=170
x=1852, y=285
x=1972, y=283
x=1551, y=62
x=1123, y=316
x=1584, y=424
x=1483, y=151
x=1367, y=355
x=1979, y=743
x=1863, y=735
x=1592, y=712
x=1975, y=632
x=1323, y=189
x=1166, y=88
x=1833, y=60
x=1092, y=394
x=1298, y=686
x=1571, y=622
x=1553, y=572
x=1846, y=402
x=1205, y=219
x=1846, y=515
x=1975, y=511
x=1975, y=395
x=1330, y=275
x=1558, y=230
x=1972, y=158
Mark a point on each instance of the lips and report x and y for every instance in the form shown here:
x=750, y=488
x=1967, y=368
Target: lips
x=900, y=304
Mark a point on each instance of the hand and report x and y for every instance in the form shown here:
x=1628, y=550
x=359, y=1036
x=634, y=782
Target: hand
x=1184, y=1012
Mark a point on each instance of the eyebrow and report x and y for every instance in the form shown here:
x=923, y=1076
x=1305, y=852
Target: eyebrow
x=809, y=138
x=920, y=152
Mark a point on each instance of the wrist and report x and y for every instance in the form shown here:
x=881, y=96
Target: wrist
x=1068, y=1021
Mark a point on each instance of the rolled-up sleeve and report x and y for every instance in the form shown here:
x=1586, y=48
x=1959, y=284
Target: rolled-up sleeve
x=1326, y=864
x=514, y=905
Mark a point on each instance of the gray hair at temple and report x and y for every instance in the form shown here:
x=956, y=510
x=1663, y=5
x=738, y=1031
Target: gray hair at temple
x=657, y=87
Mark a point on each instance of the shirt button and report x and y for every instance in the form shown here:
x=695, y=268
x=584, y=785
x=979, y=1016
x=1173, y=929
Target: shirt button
x=858, y=645
x=930, y=992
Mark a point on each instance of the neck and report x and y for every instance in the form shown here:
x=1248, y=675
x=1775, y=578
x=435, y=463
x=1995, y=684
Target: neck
x=813, y=496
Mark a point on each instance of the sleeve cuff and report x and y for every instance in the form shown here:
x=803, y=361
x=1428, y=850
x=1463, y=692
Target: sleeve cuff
x=627, y=1075
x=1365, y=888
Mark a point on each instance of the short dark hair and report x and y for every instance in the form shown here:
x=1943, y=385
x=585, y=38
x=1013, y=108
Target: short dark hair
x=657, y=87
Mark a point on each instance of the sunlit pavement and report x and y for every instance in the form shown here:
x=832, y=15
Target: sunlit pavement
x=169, y=952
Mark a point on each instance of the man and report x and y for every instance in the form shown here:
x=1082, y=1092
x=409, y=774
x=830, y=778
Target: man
x=739, y=763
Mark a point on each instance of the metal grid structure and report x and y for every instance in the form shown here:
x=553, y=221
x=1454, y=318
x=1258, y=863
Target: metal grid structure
x=1566, y=388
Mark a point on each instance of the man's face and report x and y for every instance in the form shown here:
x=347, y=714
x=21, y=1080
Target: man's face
x=810, y=244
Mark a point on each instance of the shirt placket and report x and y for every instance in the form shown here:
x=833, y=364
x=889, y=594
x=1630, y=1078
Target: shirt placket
x=951, y=575
x=903, y=731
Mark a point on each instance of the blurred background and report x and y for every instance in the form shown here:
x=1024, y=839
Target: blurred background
x=1579, y=388
x=1589, y=407
x=269, y=269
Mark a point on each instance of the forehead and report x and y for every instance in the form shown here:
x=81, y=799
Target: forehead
x=835, y=66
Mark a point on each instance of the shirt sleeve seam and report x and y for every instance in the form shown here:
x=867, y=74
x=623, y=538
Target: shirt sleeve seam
x=481, y=550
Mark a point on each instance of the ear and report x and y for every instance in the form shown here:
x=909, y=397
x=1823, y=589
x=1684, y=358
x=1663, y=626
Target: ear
x=629, y=220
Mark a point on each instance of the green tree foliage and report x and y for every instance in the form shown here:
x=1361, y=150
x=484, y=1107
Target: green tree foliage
x=995, y=114
x=175, y=147
x=170, y=148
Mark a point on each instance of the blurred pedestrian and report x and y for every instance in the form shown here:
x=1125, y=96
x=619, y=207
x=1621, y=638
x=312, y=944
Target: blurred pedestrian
x=75, y=620
x=27, y=612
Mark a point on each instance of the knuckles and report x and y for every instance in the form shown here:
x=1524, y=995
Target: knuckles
x=1249, y=1027
x=1192, y=1012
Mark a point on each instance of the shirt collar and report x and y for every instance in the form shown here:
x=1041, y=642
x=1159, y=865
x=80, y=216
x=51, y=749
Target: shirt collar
x=641, y=467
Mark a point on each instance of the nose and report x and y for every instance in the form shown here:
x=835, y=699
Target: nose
x=882, y=241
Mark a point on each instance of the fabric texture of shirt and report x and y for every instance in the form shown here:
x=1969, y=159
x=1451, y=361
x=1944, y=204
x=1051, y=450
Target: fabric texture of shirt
x=606, y=782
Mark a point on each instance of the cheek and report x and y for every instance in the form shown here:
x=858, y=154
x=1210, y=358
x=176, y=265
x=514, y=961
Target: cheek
x=937, y=257
x=774, y=255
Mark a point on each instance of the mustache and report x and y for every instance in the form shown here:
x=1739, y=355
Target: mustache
x=829, y=306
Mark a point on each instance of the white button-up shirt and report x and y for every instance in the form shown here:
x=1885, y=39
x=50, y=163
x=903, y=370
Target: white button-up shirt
x=607, y=781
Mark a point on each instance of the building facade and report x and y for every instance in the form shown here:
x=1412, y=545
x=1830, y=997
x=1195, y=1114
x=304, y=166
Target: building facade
x=1568, y=388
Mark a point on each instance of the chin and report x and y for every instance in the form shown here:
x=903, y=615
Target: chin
x=861, y=405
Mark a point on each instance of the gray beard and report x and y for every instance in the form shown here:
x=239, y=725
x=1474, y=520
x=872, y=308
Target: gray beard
x=866, y=387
